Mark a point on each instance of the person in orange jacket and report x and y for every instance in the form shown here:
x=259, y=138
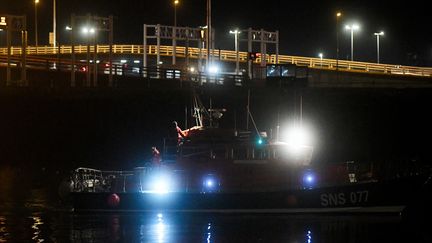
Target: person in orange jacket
x=181, y=135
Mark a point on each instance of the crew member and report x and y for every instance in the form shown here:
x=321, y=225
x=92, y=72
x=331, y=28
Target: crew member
x=156, y=158
x=181, y=135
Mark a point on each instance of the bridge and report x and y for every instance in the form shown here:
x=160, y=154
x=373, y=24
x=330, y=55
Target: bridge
x=321, y=72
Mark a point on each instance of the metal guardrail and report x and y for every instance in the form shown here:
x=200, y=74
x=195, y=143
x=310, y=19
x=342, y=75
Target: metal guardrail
x=230, y=56
x=197, y=78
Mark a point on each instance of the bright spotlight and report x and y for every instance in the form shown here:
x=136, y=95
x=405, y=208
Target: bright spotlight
x=88, y=30
x=213, y=69
x=160, y=186
x=298, y=136
x=210, y=184
x=308, y=179
x=84, y=30
x=160, y=183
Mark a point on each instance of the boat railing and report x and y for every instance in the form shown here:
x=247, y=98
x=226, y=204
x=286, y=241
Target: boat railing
x=93, y=180
x=137, y=180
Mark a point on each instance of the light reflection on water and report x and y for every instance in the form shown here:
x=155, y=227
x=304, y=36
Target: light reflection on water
x=36, y=230
x=309, y=236
x=32, y=216
x=209, y=233
x=161, y=227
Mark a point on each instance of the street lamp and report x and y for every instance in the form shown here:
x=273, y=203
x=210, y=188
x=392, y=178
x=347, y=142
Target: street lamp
x=1, y=39
x=209, y=32
x=90, y=32
x=378, y=51
x=176, y=2
x=352, y=28
x=36, y=2
x=321, y=57
x=54, y=24
x=338, y=15
x=236, y=33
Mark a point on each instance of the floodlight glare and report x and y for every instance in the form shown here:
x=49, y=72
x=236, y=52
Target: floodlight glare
x=298, y=136
x=213, y=69
x=88, y=30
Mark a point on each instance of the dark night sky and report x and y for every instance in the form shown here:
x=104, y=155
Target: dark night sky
x=306, y=27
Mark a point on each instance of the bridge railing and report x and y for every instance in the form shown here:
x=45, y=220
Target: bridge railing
x=103, y=69
x=230, y=56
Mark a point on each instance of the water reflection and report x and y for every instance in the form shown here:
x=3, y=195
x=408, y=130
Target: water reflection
x=309, y=237
x=36, y=230
x=160, y=229
x=209, y=233
x=207, y=228
x=3, y=229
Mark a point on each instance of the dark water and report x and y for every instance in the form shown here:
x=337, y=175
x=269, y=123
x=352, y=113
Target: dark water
x=37, y=217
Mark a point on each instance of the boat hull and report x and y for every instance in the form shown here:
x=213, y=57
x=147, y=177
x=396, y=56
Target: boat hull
x=370, y=197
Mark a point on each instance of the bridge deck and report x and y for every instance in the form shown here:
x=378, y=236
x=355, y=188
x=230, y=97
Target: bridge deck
x=228, y=56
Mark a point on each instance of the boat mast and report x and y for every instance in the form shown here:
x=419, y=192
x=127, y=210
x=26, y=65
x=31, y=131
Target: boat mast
x=247, y=110
x=249, y=115
x=186, y=117
x=199, y=110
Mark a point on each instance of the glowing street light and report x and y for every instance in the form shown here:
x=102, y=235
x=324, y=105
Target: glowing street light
x=89, y=33
x=209, y=31
x=236, y=33
x=320, y=55
x=378, y=37
x=54, y=24
x=352, y=28
x=36, y=2
x=338, y=15
x=87, y=30
x=176, y=2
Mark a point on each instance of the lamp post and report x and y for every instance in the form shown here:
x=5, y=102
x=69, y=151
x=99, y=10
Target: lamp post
x=54, y=24
x=352, y=28
x=36, y=2
x=209, y=32
x=338, y=15
x=1, y=39
x=90, y=33
x=321, y=57
x=378, y=50
x=236, y=33
x=176, y=2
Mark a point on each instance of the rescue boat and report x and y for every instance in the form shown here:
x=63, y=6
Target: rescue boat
x=216, y=170
x=212, y=169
